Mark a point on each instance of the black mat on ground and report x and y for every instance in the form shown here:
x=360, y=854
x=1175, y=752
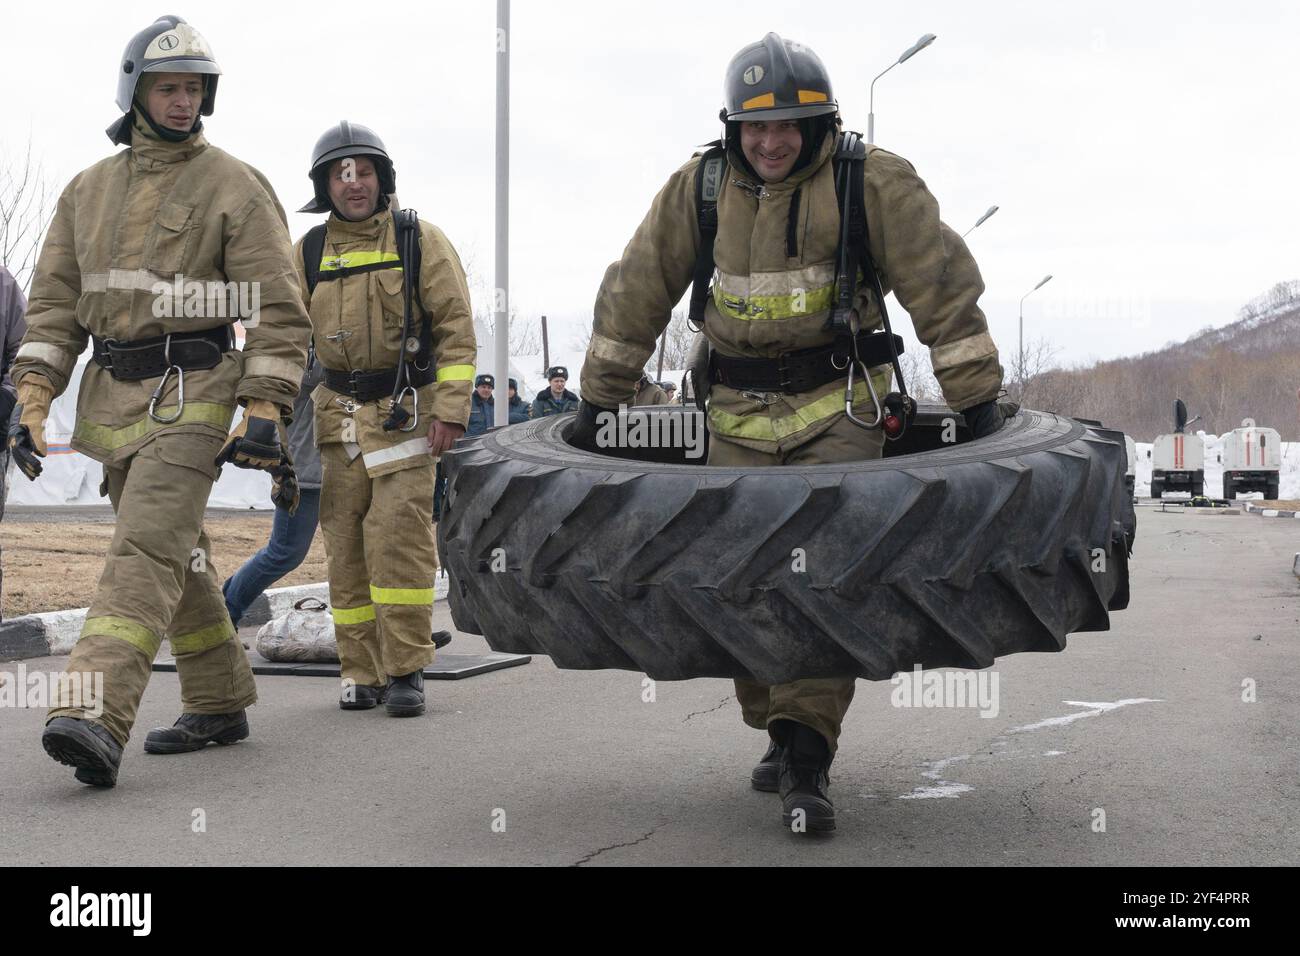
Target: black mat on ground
x=446, y=667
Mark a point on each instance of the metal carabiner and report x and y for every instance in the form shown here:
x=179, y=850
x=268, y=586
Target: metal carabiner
x=162, y=385
x=415, y=408
x=875, y=399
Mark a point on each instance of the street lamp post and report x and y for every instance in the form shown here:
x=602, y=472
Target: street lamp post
x=910, y=52
x=1046, y=279
x=981, y=219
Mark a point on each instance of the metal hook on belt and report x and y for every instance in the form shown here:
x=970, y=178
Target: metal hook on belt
x=162, y=385
x=855, y=361
x=415, y=408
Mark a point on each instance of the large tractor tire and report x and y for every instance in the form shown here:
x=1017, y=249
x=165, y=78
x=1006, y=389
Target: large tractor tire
x=943, y=554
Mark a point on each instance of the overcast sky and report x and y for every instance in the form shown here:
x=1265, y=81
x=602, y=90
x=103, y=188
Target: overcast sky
x=1146, y=155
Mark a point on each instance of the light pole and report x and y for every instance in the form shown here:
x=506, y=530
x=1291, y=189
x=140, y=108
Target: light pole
x=910, y=52
x=992, y=210
x=1046, y=279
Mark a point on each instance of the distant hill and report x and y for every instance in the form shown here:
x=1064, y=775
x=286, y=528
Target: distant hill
x=1246, y=369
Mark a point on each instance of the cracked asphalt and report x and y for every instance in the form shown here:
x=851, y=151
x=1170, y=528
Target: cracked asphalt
x=1134, y=746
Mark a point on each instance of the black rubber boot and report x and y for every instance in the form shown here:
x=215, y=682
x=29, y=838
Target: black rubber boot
x=87, y=746
x=767, y=775
x=361, y=697
x=196, y=731
x=805, y=766
x=441, y=639
x=406, y=695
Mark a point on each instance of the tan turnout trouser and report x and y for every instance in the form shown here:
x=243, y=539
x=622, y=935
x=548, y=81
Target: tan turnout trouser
x=382, y=559
x=159, y=581
x=819, y=703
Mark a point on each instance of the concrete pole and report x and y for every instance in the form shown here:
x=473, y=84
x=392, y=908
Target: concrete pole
x=501, y=294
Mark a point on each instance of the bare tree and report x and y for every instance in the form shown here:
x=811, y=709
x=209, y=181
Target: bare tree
x=27, y=201
x=1028, y=367
x=676, y=343
x=525, y=334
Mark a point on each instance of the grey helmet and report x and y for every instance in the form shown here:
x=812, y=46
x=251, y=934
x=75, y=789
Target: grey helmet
x=168, y=45
x=777, y=79
x=342, y=140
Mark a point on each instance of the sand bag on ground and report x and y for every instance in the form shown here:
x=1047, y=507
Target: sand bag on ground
x=303, y=635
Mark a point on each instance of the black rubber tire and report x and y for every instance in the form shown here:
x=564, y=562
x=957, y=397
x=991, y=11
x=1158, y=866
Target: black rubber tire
x=1198, y=487
x=950, y=557
x=1229, y=492
x=1274, y=487
x=1157, y=488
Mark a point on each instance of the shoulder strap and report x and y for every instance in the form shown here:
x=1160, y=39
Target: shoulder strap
x=708, y=187
x=406, y=225
x=313, y=247
x=854, y=254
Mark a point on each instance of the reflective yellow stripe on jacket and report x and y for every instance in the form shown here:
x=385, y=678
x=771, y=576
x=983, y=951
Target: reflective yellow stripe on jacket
x=351, y=260
x=761, y=427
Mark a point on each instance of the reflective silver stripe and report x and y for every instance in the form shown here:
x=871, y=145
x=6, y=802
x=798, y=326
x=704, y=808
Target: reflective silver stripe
x=273, y=368
x=52, y=355
x=621, y=353
x=407, y=449
x=970, y=349
x=128, y=280
x=789, y=282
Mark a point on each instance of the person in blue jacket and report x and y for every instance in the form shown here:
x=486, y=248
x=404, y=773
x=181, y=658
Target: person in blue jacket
x=520, y=411
x=556, y=398
x=482, y=407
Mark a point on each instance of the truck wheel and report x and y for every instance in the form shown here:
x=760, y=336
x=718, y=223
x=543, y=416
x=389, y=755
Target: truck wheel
x=1157, y=488
x=1229, y=489
x=948, y=557
x=1273, y=489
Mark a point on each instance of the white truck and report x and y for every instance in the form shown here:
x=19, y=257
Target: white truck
x=1178, y=460
x=1130, y=476
x=1252, y=460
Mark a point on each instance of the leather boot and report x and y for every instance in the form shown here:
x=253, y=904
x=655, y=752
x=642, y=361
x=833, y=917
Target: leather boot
x=87, y=746
x=406, y=695
x=767, y=775
x=196, y=731
x=805, y=764
x=441, y=639
x=361, y=697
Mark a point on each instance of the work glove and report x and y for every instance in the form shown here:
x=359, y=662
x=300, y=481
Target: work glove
x=255, y=441
x=285, y=493
x=27, y=438
x=583, y=434
x=988, y=417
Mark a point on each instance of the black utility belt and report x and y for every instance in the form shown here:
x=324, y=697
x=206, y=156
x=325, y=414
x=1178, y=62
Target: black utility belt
x=367, y=385
x=804, y=370
x=152, y=357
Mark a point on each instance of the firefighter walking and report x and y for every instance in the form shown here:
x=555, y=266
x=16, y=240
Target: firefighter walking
x=399, y=363
x=140, y=243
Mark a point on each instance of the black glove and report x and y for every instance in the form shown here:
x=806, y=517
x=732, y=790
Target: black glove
x=585, y=428
x=984, y=419
x=23, y=450
x=7, y=402
x=284, y=486
x=255, y=441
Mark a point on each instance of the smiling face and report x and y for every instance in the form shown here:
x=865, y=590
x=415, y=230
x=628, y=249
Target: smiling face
x=484, y=391
x=174, y=99
x=771, y=148
x=354, y=187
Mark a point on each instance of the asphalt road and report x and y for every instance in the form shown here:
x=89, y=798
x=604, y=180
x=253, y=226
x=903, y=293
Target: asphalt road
x=1145, y=722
